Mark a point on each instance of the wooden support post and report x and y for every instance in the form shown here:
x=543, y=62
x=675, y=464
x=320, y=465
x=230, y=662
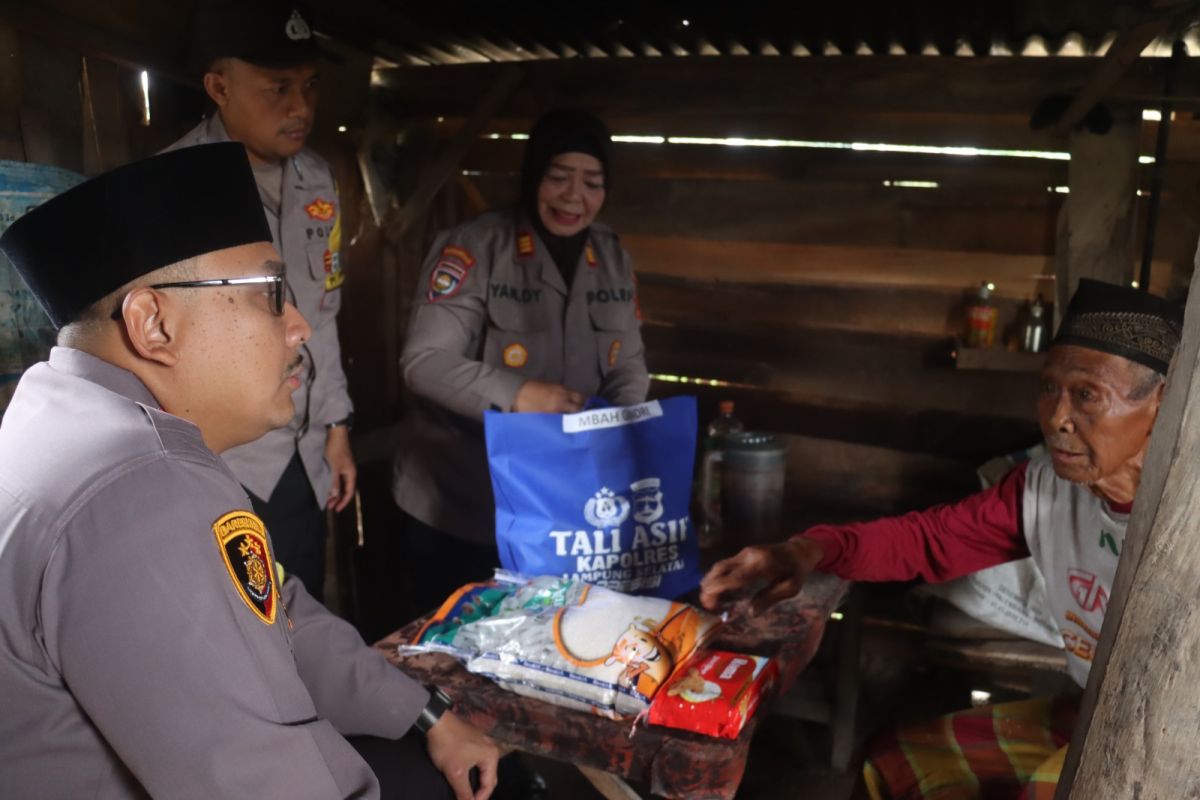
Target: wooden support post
x=1137, y=730
x=441, y=170
x=1096, y=237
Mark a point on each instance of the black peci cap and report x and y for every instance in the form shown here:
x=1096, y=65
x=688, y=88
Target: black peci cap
x=1123, y=321
x=90, y=240
x=266, y=33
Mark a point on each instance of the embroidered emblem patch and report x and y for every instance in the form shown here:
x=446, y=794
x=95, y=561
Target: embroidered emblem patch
x=297, y=29
x=459, y=254
x=334, y=280
x=515, y=355
x=446, y=280
x=322, y=210
x=590, y=255
x=525, y=245
x=243, y=541
x=613, y=352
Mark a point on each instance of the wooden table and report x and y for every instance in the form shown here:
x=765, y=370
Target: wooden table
x=674, y=764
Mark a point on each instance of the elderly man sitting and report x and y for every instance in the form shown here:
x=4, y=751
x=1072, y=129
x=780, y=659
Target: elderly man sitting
x=1101, y=387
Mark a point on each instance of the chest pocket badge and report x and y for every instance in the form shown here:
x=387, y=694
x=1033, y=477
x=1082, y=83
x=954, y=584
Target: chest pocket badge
x=242, y=537
x=515, y=355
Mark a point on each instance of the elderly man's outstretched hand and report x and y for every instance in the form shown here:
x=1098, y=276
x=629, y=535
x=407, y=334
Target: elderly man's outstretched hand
x=761, y=574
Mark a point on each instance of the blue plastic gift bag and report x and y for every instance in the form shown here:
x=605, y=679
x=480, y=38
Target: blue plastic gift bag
x=600, y=496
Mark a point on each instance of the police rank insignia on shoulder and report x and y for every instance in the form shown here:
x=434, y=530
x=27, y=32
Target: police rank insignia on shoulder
x=450, y=273
x=243, y=540
x=525, y=244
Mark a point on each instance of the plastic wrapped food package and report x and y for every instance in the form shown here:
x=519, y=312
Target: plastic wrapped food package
x=716, y=693
x=567, y=642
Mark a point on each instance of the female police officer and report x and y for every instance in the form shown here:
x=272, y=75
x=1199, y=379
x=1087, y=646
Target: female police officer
x=528, y=309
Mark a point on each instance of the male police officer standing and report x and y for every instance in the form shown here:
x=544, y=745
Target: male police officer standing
x=148, y=643
x=261, y=63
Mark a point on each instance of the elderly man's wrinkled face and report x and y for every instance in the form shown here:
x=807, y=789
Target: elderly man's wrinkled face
x=1095, y=411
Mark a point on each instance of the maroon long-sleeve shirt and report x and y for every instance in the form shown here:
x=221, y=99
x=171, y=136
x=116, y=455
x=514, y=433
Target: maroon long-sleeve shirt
x=937, y=544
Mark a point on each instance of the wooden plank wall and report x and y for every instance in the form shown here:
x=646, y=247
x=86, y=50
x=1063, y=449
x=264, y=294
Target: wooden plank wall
x=825, y=299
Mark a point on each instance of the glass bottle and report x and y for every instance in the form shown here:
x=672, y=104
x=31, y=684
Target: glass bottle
x=981, y=318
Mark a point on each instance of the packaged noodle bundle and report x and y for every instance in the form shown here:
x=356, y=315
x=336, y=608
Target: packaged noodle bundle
x=715, y=693
x=565, y=641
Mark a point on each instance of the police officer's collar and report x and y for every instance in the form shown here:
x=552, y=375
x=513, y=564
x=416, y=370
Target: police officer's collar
x=100, y=372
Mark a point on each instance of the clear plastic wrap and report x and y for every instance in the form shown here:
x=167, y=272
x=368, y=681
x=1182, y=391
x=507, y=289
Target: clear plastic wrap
x=567, y=642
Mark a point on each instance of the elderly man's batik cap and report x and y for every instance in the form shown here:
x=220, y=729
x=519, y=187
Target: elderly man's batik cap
x=1123, y=321
x=91, y=240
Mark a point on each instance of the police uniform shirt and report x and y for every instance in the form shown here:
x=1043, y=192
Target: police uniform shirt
x=491, y=312
x=145, y=645
x=304, y=217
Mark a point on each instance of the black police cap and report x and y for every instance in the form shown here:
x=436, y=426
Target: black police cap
x=266, y=33
x=87, y=242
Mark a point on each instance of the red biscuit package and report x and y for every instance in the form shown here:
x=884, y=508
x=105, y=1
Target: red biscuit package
x=715, y=693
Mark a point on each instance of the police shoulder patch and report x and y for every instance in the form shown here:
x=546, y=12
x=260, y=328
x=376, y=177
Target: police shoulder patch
x=450, y=273
x=590, y=254
x=242, y=537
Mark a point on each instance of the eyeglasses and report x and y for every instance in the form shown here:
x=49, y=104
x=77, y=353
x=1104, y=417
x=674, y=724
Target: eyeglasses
x=276, y=287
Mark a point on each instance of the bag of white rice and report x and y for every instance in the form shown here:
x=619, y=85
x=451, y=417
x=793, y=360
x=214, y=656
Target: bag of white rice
x=565, y=641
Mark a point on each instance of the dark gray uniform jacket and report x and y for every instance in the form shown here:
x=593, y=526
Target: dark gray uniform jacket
x=307, y=234
x=491, y=312
x=131, y=660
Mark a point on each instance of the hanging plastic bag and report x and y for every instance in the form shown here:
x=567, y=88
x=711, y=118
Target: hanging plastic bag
x=600, y=496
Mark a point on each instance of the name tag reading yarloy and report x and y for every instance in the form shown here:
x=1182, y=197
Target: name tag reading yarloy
x=610, y=417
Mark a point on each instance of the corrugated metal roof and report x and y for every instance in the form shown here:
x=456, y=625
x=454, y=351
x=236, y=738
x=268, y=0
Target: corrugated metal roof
x=467, y=31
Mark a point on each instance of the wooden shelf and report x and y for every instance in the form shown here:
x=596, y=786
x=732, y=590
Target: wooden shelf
x=996, y=359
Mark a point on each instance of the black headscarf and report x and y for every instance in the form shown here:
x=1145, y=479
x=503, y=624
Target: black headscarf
x=564, y=130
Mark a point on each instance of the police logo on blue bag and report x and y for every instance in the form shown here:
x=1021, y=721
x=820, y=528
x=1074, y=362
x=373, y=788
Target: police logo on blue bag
x=631, y=557
x=606, y=509
x=647, y=500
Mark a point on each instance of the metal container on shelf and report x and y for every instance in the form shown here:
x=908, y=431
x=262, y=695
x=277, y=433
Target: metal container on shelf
x=752, y=466
x=1035, y=328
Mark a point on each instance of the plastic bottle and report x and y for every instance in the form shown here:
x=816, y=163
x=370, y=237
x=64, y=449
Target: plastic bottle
x=719, y=428
x=722, y=425
x=981, y=318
